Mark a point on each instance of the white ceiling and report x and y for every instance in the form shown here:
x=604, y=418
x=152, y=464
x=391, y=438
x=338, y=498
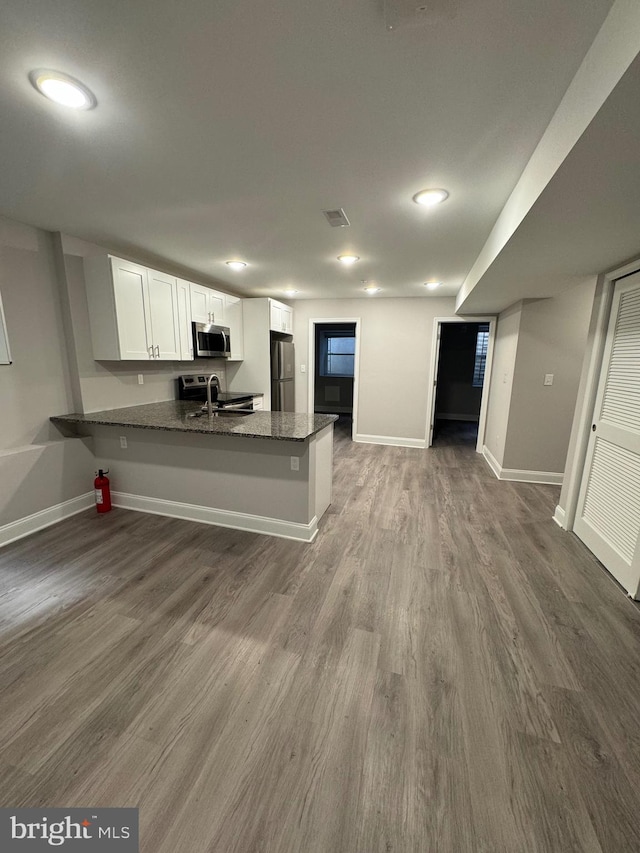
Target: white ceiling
x=223, y=129
x=586, y=220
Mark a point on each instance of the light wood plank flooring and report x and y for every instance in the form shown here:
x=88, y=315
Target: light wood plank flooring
x=444, y=669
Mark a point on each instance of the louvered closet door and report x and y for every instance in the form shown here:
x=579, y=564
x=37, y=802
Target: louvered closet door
x=608, y=517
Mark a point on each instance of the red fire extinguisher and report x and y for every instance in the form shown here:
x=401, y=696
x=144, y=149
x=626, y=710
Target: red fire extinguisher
x=102, y=491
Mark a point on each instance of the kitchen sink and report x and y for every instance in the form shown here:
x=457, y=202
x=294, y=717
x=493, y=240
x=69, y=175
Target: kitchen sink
x=222, y=413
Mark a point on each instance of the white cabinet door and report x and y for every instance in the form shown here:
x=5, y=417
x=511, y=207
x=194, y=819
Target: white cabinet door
x=207, y=305
x=200, y=310
x=280, y=317
x=276, y=316
x=132, y=310
x=184, y=320
x=608, y=516
x=234, y=320
x=163, y=304
x=216, y=307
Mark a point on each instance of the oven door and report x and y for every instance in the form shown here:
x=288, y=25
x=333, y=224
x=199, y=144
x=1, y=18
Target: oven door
x=211, y=341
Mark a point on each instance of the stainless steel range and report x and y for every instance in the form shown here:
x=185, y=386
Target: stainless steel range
x=193, y=386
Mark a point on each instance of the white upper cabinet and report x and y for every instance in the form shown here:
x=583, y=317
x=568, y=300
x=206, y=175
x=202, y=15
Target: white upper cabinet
x=138, y=314
x=275, y=314
x=207, y=305
x=234, y=320
x=133, y=311
x=281, y=317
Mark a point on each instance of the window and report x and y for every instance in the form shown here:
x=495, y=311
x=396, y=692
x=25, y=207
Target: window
x=482, y=342
x=337, y=353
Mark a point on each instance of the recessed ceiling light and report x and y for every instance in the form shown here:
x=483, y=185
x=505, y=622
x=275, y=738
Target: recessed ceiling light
x=63, y=89
x=429, y=198
x=236, y=265
x=290, y=292
x=371, y=288
x=348, y=260
x=431, y=285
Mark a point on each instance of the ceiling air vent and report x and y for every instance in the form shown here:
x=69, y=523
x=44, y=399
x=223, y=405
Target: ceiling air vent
x=401, y=13
x=336, y=218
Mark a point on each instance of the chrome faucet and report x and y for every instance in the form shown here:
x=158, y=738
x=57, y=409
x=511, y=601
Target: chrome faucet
x=209, y=403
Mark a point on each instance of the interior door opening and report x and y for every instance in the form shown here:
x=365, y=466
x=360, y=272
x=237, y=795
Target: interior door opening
x=333, y=370
x=460, y=371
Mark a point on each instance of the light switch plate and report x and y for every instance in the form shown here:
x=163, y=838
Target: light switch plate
x=548, y=379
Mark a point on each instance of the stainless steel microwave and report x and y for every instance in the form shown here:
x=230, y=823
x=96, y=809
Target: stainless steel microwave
x=211, y=341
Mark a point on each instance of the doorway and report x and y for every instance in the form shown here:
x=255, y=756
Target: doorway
x=333, y=369
x=459, y=378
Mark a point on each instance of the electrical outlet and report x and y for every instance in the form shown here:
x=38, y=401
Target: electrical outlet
x=303, y=368
x=141, y=379
x=123, y=442
x=295, y=463
x=548, y=379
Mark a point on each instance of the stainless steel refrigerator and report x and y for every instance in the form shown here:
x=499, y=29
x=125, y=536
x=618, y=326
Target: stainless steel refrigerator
x=282, y=373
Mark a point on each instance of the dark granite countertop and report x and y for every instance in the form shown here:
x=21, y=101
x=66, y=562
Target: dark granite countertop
x=173, y=415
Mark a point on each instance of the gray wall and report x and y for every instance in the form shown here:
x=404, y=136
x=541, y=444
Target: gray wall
x=528, y=423
x=504, y=360
x=239, y=475
x=37, y=469
x=395, y=349
x=585, y=402
x=553, y=336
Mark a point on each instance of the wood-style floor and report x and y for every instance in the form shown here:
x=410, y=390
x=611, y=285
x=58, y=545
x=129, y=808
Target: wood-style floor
x=444, y=669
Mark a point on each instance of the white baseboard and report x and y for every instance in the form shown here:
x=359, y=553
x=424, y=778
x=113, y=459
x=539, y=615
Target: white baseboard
x=492, y=461
x=515, y=475
x=45, y=518
x=219, y=517
x=559, y=517
x=392, y=440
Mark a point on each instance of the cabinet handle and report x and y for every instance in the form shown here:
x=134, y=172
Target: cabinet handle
x=158, y=351
x=151, y=355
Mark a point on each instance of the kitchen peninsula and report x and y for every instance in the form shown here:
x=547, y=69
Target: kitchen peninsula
x=268, y=472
